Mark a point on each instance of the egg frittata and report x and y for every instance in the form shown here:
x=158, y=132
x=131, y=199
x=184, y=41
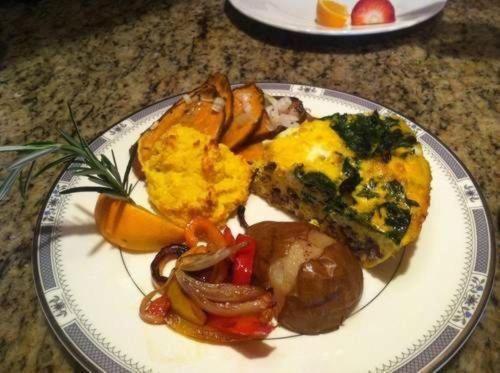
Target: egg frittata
x=361, y=175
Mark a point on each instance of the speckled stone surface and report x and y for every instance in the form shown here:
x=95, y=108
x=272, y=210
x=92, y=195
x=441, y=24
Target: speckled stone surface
x=109, y=58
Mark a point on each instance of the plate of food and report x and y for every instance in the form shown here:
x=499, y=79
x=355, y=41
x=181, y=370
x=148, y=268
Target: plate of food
x=340, y=17
x=267, y=226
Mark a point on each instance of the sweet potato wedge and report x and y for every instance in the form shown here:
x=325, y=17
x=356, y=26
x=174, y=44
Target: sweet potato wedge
x=196, y=112
x=253, y=152
x=136, y=165
x=221, y=84
x=248, y=108
x=263, y=131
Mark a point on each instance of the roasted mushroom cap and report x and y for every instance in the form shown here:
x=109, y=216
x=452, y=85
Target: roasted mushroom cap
x=316, y=280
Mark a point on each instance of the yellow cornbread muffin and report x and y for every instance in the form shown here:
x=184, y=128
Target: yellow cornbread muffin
x=188, y=175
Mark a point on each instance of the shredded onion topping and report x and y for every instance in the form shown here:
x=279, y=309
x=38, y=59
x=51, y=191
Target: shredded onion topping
x=218, y=104
x=280, y=113
x=187, y=98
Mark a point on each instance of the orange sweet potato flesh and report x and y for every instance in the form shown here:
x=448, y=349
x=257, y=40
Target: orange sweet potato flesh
x=253, y=152
x=221, y=84
x=263, y=132
x=198, y=114
x=244, y=123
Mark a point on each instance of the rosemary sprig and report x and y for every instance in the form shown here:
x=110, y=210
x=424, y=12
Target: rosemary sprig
x=75, y=150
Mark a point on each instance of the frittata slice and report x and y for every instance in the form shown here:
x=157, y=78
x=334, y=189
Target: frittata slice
x=361, y=175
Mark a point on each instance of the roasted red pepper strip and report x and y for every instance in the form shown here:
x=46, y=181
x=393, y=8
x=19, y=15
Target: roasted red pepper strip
x=248, y=325
x=203, y=229
x=243, y=261
x=159, y=307
x=228, y=236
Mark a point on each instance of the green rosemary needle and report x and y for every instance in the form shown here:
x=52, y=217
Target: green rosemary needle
x=75, y=151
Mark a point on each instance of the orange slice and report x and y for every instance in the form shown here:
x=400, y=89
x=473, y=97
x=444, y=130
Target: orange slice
x=132, y=227
x=331, y=14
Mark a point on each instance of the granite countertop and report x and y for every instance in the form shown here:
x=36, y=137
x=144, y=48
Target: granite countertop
x=109, y=58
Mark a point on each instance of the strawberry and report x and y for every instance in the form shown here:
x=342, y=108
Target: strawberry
x=369, y=12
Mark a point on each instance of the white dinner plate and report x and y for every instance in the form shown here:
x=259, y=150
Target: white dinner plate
x=415, y=313
x=300, y=15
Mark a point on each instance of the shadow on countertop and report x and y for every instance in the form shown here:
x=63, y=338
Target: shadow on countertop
x=435, y=35
x=28, y=25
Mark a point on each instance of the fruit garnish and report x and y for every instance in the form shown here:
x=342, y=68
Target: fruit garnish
x=132, y=227
x=370, y=12
x=331, y=14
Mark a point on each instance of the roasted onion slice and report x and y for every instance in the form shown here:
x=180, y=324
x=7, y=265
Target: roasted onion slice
x=145, y=303
x=222, y=292
x=197, y=262
x=233, y=309
x=164, y=255
x=223, y=308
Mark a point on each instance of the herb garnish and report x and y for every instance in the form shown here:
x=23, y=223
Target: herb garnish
x=371, y=136
x=75, y=150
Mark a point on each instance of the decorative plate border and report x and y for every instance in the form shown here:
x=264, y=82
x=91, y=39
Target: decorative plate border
x=433, y=350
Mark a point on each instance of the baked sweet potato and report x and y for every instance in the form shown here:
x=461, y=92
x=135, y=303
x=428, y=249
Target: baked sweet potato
x=221, y=83
x=197, y=112
x=248, y=108
x=253, y=152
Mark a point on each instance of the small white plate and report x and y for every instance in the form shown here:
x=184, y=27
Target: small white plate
x=300, y=15
x=415, y=313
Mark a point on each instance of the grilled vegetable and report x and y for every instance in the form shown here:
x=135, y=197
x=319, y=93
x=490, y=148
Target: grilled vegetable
x=196, y=110
x=243, y=261
x=316, y=280
x=221, y=83
x=248, y=109
x=249, y=325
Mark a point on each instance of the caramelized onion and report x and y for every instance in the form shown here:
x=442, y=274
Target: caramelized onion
x=232, y=309
x=143, y=309
x=219, y=272
x=256, y=305
x=164, y=255
x=218, y=292
x=197, y=262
